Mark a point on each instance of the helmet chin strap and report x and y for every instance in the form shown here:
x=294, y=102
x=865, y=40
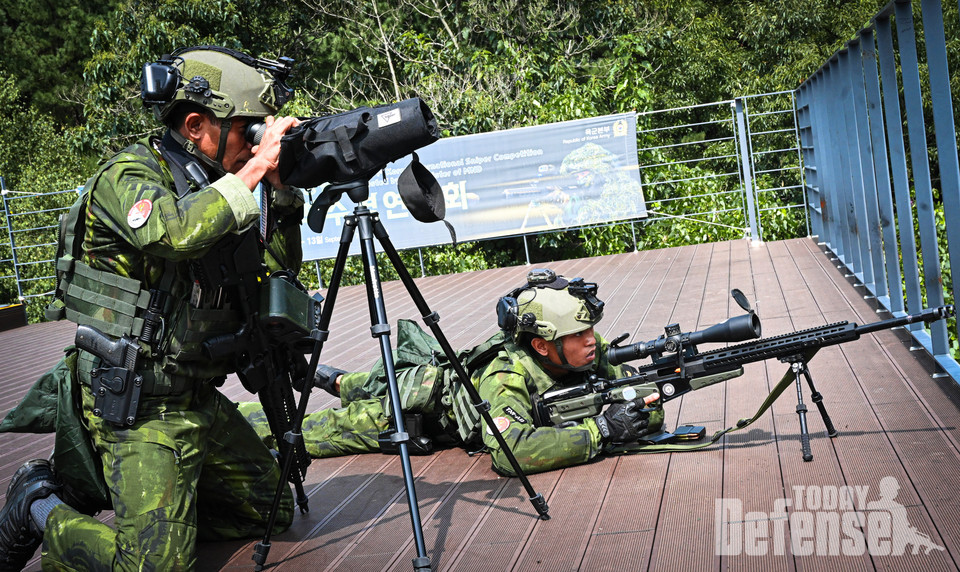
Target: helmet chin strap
x=558, y=343
x=225, y=125
x=216, y=165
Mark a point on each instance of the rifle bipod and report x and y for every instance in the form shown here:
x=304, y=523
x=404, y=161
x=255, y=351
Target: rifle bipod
x=370, y=226
x=798, y=365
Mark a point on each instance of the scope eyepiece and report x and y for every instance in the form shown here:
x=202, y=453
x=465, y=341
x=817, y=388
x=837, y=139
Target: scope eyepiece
x=254, y=132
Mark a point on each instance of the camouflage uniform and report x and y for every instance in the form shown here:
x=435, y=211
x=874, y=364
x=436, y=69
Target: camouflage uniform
x=507, y=382
x=190, y=467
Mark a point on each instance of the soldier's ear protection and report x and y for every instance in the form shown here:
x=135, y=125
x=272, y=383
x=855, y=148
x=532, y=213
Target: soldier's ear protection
x=508, y=314
x=161, y=79
x=508, y=309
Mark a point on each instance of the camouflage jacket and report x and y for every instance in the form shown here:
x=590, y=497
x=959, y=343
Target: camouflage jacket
x=137, y=227
x=507, y=383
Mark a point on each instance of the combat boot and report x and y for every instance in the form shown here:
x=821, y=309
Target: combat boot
x=19, y=534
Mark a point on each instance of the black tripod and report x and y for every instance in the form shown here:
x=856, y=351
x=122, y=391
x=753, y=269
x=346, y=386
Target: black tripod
x=798, y=365
x=368, y=222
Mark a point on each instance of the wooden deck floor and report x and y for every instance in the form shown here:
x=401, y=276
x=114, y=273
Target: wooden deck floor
x=898, y=426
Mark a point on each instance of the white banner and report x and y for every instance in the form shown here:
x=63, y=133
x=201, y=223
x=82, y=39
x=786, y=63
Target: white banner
x=507, y=183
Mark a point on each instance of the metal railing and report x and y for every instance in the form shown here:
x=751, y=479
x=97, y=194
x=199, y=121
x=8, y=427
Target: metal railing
x=738, y=160
x=732, y=166
x=866, y=204
x=28, y=246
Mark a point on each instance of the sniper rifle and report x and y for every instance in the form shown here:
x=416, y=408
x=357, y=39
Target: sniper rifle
x=678, y=368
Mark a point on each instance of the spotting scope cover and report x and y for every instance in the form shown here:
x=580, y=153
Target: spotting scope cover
x=354, y=145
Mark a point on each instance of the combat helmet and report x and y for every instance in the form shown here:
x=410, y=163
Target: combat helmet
x=225, y=82
x=550, y=306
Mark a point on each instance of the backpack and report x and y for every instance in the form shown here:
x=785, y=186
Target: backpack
x=427, y=382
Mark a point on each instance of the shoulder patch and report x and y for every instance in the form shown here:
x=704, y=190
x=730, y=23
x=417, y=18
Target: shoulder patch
x=513, y=413
x=502, y=424
x=138, y=214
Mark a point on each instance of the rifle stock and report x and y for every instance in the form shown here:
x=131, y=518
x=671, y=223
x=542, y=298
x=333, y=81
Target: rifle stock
x=687, y=370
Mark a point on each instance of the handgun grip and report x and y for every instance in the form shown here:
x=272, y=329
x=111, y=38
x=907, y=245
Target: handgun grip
x=117, y=353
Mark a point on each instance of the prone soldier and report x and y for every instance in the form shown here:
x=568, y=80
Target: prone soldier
x=547, y=340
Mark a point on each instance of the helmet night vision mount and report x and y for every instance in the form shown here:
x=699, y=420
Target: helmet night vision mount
x=226, y=82
x=550, y=306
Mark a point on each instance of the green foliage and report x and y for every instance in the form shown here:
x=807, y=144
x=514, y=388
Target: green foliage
x=946, y=275
x=729, y=48
x=429, y=261
x=511, y=64
x=34, y=159
x=481, y=64
x=45, y=45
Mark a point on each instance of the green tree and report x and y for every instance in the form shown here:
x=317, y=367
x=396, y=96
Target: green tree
x=34, y=160
x=711, y=50
x=45, y=44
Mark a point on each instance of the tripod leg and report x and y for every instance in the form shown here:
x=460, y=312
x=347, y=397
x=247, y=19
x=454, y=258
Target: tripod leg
x=432, y=320
x=295, y=436
x=380, y=329
x=802, y=412
x=817, y=398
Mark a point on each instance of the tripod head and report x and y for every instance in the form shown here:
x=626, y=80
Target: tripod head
x=419, y=190
x=358, y=191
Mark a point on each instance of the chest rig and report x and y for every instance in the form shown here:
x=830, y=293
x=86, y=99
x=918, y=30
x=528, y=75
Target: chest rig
x=138, y=335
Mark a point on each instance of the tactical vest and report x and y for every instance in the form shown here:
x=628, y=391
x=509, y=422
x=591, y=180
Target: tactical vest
x=171, y=333
x=113, y=304
x=461, y=406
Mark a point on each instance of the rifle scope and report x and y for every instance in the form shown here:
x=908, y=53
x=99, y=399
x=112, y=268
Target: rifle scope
x=736, y=329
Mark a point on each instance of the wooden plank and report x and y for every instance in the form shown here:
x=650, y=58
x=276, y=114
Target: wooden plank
x=504, y=529
x=912, y=430
x=635, y=512
x=751, y=479
x=693, y=481
x=826, y=470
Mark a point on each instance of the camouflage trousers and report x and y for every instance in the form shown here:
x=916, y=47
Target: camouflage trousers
x=355, y=426
x=189, y=469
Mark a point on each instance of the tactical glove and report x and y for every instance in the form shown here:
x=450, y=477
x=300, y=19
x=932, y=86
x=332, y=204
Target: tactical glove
x=623, y=422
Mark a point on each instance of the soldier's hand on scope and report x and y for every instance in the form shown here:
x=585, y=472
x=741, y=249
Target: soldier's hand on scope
x=625, y=422
x=268, y=150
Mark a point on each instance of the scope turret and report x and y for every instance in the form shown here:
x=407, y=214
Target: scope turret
x=736, y=329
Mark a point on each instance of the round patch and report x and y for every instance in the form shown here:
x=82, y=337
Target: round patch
x=629, y=394
x=139, y=213
x=502, y=424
